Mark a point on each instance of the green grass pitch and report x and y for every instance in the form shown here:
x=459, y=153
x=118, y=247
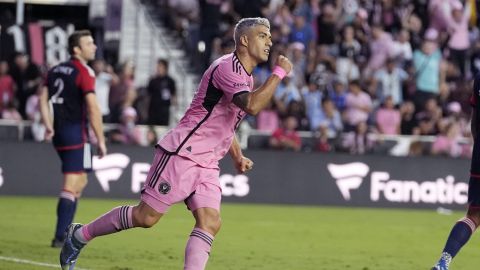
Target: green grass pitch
x=252, y=237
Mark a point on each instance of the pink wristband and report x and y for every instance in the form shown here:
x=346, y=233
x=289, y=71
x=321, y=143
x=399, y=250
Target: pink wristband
x=279, y=71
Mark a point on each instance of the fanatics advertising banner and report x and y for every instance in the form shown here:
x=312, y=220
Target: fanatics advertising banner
x=278, y=177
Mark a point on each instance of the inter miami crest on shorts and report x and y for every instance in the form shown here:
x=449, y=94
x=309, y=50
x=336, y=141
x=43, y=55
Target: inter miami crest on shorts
x=164, y=187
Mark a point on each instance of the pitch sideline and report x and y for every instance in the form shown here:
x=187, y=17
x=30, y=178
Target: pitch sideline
x=23, y=261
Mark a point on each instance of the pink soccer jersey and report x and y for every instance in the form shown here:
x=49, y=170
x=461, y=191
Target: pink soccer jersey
x=206, y=131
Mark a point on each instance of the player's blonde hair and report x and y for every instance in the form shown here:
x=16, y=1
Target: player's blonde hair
x=245, y=24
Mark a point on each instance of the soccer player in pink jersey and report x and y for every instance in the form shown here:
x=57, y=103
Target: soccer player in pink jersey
x=185, y=166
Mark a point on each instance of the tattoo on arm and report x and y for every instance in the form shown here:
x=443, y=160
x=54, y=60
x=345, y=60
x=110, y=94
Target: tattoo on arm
x=241, y=100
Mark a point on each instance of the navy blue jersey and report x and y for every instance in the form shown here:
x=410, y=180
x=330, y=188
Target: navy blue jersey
x=68, y=83
x=475, y=166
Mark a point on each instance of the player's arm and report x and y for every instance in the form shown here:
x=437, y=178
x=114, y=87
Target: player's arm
x=473, y=102
x=242, y=164
x=473, y=123
x=45, y=113
x=253, y=102
x=95, y=117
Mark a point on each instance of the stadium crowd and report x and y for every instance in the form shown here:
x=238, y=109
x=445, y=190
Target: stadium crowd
x=361, y=68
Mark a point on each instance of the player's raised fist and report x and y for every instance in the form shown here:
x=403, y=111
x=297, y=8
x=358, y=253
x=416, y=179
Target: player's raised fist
x=284, y=63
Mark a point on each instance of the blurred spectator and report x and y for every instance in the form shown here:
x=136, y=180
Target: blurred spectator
x=330, y=120
x=7, y=85
x=338, y=94
x=402, y=47
x=286, y=92
x=475, y=58
x=358, y=105
x=458, y=42
x=416, y=149
x=127, y=133
x=358, y=141
x=349, y=50
x=386, y=13
x=427, y=63
x=151, y=137
x=362, y=29
x=285, y=137
x=209, y=27
x=312, y=97
x=414, y=26
x=447, y=143
x=408, y=119
x=381, y=48
x=27, y=77
x=324, y=68
x=10, y=112
x=297, y=110
x=301, y=32
x=105, y=77
x=322, y=143
x=298, y=59
x=162, y=91
x=326, y=24
x=122, y=93
x=388, y=118
x=387, y=82
x=33, y=114
x=267, y=119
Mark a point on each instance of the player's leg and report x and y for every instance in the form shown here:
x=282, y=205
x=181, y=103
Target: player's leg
x=205, y=206
x=145, y=214
x=118, y=219
x=74, y=181
x=464, y=228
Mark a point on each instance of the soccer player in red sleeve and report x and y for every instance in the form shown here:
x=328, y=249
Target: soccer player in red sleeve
x=185, y=167
x=465, y=227
x=70, y=87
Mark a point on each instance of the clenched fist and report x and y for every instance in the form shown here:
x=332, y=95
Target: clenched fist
x=284, y=63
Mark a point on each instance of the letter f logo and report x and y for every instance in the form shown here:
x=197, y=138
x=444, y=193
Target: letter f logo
x=348, y=176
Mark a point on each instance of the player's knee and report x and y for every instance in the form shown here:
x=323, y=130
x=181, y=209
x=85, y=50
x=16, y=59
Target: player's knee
x=210, y=223
x=474, y=215
x=143, y=219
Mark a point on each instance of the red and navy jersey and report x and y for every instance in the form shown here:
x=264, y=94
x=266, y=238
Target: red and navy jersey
x=68, y=83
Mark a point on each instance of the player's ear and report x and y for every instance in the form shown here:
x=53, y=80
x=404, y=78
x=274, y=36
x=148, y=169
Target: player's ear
x=244, y=40
x=77, y=50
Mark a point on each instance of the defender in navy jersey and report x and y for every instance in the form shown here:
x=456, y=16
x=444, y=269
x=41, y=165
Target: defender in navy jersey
x=70, y=87
x=465, y=227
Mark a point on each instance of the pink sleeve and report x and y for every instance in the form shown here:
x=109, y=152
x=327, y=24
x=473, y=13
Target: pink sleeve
x=230, y=80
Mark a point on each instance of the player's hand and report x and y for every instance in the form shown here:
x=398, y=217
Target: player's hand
x=284, y=63
x=244, y=165
x=102, y=150
x=49, y=132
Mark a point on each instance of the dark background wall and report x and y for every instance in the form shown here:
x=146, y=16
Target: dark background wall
x=278, y=177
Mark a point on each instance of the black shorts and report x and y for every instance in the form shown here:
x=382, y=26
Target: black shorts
x=76, y=160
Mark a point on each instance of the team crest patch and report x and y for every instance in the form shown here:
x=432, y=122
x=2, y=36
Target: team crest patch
x=164, y=187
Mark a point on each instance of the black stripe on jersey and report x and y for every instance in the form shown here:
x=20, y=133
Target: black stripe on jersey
x=212, y=97
x=235, y=64
x=241, y=65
